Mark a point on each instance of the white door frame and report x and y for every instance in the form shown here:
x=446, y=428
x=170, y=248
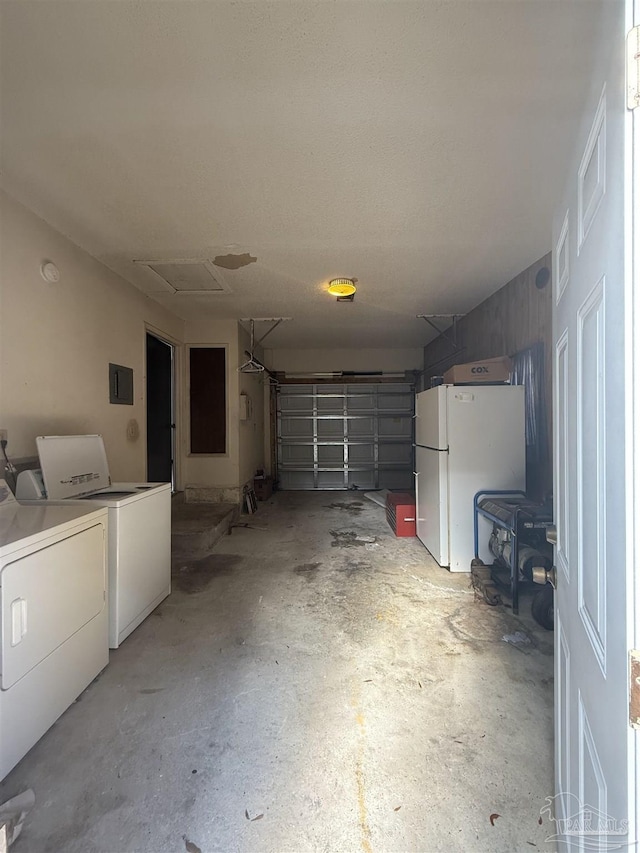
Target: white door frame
x=632, y=408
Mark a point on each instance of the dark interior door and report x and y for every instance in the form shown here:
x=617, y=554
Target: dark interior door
x=159, y=411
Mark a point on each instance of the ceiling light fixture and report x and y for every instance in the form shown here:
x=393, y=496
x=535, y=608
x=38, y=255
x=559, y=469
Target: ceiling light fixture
x=341, y=287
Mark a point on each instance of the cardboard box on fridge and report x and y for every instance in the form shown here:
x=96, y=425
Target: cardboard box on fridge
x=475, y=372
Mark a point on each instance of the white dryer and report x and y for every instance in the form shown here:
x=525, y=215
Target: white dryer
x=74, y=470
x=53, y=616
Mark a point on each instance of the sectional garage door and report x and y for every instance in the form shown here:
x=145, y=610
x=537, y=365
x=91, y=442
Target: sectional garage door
x=345, y=436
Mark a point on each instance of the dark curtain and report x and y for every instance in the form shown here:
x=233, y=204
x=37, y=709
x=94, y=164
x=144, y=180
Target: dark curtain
x=528, y=370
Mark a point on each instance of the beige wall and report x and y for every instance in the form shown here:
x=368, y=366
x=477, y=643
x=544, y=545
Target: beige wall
x=327, y=360
x=56, y=341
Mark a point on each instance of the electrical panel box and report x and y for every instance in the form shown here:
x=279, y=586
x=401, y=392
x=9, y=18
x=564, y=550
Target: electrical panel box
x=120, y=384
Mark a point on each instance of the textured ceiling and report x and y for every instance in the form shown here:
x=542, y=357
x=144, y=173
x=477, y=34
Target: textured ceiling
x=417, y=146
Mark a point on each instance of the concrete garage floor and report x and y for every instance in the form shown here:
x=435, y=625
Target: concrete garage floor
x=316, y=686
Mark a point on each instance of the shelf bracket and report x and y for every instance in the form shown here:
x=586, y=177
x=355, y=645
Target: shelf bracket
x=450, y=332
x=275, y=322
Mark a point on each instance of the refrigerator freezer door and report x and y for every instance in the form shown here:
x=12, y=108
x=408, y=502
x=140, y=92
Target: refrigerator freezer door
x=486, y=451
x=432, y=516
x=431, y=418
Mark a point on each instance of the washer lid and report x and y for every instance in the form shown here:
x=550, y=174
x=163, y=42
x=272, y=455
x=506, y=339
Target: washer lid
x=72, y=465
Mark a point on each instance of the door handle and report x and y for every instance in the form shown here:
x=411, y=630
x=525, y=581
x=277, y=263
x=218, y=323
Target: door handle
x=551, y=534
x=18, y=620
x=542, y=576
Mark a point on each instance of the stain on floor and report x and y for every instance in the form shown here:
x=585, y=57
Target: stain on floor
x=189, y=846
x=355, y=567
x=351, y=539
x=307, y=570
x=353, y=507
x=195, y=576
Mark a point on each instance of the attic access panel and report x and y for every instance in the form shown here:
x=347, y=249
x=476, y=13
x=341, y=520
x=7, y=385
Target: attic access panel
x=345, y=436
x=188, y=275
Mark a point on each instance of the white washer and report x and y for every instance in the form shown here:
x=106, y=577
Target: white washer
x=53, y=616
x=75, y=470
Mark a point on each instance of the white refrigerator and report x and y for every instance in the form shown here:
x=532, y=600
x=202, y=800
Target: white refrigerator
x=468, y=438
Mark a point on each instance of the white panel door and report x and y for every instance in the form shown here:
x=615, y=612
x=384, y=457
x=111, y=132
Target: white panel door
x=594, y=776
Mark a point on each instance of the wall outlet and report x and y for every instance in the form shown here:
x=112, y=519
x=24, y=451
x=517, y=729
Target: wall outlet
x=4, y=435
